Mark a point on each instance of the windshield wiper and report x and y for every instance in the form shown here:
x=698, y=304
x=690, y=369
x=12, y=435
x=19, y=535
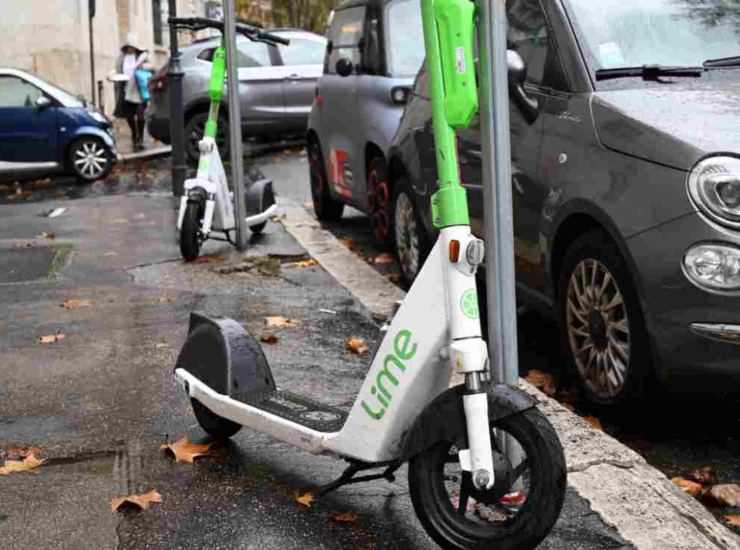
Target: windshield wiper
x=650, y=73
x=733, y=61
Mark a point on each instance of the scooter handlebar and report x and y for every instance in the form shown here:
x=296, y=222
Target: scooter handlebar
x=251, y=32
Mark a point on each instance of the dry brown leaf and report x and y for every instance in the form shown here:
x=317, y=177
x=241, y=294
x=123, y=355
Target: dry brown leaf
x=384, y=258
x=343, y=517
x=212, y=259
x=308, y=205
x=349, y=242
x=690, y=487
x=186, y=451
x=270, y=339
x=357, y=346
x=29, y=462
x=137, y=502
x=48, y=235
x=727, y=494
x=51, y=338
x=304, y=499
x=394, y=278
x=279, y=321
x=733, y=520
x=703, y=475
x=163, y=300
x=542, y=381
x=593, y=422
x=303, y=263
x=76, y=304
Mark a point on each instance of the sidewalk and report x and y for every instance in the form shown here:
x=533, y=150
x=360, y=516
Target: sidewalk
x=125, y=147
x=100, y=401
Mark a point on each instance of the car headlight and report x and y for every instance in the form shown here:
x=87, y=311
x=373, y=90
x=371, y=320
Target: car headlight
x=100, y=117
x=714, y=186
x=713, y=266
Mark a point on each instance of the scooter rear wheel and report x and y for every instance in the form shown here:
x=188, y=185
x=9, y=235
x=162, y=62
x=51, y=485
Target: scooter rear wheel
x=214, y=425
x=190, y=239
x=509, y=516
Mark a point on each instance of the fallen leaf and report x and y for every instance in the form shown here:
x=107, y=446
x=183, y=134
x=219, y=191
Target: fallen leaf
x=303, y=263
x=357, y=346
x=349, y=242
x=28, y=463
x=727, y=494
x=136, y=502
x=76, y=304
x=109, y=254
x=394, y=278
x=733, y=520
x=280, y=322
x=47, y=235
x=593, y=422
x=212, y=259
x=703, y=475
x=542, y=381
x=308, y=205
x=690, y=487
x=343, y=517
x=304, y=499
x=270, y=339
x=51, y=338
x=384, y=258
x=163, y=300
x=186, y=451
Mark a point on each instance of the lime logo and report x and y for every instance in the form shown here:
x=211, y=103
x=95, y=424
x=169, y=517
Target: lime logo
x=469, y=304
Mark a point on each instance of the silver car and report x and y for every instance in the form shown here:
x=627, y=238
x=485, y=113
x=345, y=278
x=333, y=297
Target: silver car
x=276, y=89
x=375, y=49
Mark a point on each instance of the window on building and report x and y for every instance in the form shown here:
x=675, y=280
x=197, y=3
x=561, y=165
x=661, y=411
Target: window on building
x=157, y=21
x=15, y=92
x=302, y=52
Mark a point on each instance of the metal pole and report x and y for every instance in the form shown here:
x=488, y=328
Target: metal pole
x=235, y=126
x=90, y=16
x=177, y=114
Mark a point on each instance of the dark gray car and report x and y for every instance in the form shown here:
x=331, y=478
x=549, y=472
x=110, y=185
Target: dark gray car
x=276, y=88
x=626, y=186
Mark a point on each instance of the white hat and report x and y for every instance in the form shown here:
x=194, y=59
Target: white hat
x=132, y=41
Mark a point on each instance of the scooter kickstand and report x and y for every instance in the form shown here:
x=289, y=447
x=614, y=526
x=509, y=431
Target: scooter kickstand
x=348, y=476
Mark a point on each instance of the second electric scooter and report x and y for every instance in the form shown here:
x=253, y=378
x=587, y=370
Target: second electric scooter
x=465, y=490
x=207, y=205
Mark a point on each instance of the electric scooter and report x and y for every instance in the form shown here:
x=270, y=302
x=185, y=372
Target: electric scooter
x=207, y=204
x=465, y=489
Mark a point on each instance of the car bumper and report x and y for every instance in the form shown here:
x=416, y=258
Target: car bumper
x=695, y=334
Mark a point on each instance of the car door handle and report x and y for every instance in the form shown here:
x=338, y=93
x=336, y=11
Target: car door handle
x=294, y=76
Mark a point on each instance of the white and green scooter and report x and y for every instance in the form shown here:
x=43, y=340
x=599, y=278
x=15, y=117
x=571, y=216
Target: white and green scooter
x=464, y=488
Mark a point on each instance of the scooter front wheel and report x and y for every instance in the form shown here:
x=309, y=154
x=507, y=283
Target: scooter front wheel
x=190, y=240
x=521, y=508
x=214, y=425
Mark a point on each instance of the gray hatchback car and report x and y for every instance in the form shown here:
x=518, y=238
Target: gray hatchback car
x=625, y=130
x=276, y=89
x=374, y=52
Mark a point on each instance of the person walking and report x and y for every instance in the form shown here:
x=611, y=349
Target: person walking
x=129, y=100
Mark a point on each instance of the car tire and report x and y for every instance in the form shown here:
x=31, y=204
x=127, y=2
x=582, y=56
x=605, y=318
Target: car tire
x=194, y=130
x=379, y=198
x=90, y=159
x=603, y=328
x=410, y=242
x=325, y=206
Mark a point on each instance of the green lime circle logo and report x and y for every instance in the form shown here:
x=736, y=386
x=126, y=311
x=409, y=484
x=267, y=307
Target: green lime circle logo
x=469, y=304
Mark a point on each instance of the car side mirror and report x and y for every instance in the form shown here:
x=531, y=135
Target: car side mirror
x=344, y=67
x=529, y=106
x=42, y=102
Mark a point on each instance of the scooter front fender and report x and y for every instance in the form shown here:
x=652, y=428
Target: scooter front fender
x=444, y=418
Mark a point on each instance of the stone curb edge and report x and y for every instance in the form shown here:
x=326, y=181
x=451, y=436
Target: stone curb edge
x=642, y=504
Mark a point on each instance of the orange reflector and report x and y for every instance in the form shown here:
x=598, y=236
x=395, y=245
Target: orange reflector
x=454, y=251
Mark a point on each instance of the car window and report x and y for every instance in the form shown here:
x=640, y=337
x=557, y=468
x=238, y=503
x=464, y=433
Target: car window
x=345, y=35
x=16, y=92
x=528, y=35
x=251, y=54
x=303, y=52
x=405, y=37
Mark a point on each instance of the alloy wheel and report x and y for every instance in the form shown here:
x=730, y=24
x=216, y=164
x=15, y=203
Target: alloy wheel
x=598, y=328
x=197, y=131
x=91, y=159
x=407, y=235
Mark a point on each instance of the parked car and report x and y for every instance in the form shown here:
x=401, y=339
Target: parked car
x=46, y=130
x=375, y=50
x=625, y=134
x=276, y=89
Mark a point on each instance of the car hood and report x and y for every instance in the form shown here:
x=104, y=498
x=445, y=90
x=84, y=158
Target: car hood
x=672, y=124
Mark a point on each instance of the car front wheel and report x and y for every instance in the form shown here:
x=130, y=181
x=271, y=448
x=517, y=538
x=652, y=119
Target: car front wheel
x=606, y=341
x=90, y=159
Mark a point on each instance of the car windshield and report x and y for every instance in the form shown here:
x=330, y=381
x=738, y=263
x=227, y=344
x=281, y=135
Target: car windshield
x=633, y=33
x=405, y=38
x=60, y=94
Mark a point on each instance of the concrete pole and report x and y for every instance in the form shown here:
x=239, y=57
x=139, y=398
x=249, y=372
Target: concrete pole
x=235, y=125
x=177, y=109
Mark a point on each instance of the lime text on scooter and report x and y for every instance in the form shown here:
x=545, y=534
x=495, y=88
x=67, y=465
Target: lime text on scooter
x=404, y=350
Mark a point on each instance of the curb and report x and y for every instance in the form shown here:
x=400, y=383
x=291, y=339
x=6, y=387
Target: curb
x=641, y=503
x=148, y=154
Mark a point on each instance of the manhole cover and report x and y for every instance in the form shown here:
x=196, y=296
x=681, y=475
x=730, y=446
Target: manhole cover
x=29, y=264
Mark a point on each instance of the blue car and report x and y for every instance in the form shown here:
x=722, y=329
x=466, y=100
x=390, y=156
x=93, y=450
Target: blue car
x=45, y=130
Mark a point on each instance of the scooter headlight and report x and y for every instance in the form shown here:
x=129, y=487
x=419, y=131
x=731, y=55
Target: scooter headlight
x=713, y=266
x=714, y=187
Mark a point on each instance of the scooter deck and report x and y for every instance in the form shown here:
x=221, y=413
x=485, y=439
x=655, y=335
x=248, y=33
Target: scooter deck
x=296, y=408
